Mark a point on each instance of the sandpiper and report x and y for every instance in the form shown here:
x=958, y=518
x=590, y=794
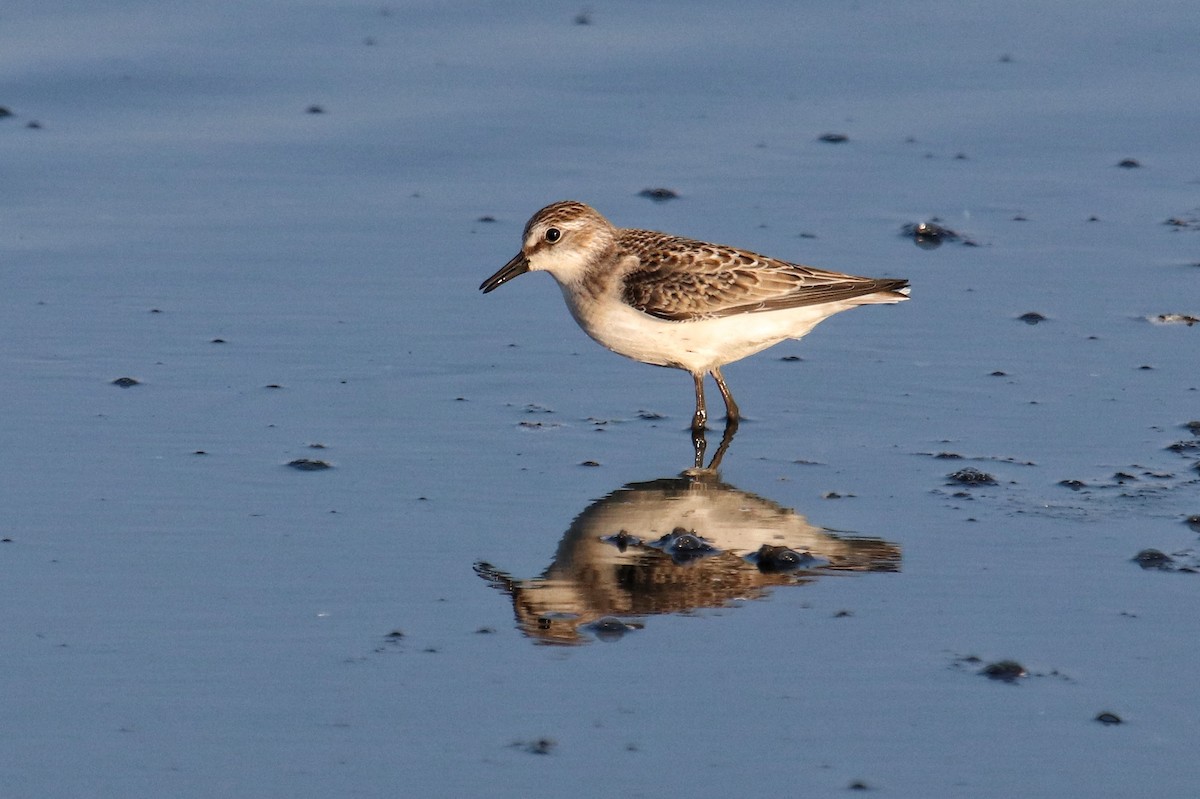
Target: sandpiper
x=671, y=301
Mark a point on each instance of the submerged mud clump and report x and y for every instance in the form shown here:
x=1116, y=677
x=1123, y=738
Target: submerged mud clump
x=659, y=195
x=1032, y=318
x=971, y=476
x=1154, y=559
x=309, y=465
x=126, y=382
x=931, y=234
x=1004, y=670
x=1109, y=719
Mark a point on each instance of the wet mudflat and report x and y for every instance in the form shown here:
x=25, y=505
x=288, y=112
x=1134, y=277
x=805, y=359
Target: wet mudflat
x=291, y=509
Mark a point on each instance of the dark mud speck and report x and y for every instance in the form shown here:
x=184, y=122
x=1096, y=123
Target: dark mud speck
x=1109, y=719
x=929, y=235
x=770, y=559
x=309, y=465
x=125, y=382
x=1032, y=318
x=1154, y=559
x=623, y=540
x=609, y=628
x=971, y=476
x=1129, y=163
x=833, y=138
x=542, y=746
x=1004, y=670
x=659, y=195
x=314, y=109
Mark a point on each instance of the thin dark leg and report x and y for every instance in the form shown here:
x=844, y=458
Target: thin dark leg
x=701, y=416
x=699, y=444
x=726, y=440
x=732, y=415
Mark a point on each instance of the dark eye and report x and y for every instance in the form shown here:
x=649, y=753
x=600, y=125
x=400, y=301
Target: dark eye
x=553, y=235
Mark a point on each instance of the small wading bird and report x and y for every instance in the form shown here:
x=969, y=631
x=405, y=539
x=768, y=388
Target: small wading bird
x=671, y=301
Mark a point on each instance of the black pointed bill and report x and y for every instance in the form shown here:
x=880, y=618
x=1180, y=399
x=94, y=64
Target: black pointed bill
x=517, y=266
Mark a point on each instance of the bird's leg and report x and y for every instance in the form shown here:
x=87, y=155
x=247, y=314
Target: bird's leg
x=726, y=440
x=732, y=415
x=701, y=415
x=699, y=444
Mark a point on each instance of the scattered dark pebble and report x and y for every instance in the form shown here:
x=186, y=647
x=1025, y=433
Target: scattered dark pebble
x=217, y=341
x=831, y=495
x=1093, y=218
x=542, y=746
x=125, y=382
x=1124, y=477
x=199, y=452
x=485, y=631
x=1145, y=368
x=1004, y=670
x=998, y=373
x=309, y=465
x=1193, y=522
x=609, y=628
x=929, y=235
x=971, y=476
x=395, y=635
x=314, y=109
x=773, y=559
x=583, y=18
x=684, y=546
x=858, y=785
x=590, y=463
x=659, y=195
x=1005, y=58
x=1074, y=485
x=33, y=124
x=1129, y=163
x=5, y=112
x=948, y=456
x=1109, y=719
x=1032, y=318
x=6, y=540
x=790, y=358
x=623, y=540
x=833, y=138
x=486, y=219
x=1154, y=559
x=650, y=416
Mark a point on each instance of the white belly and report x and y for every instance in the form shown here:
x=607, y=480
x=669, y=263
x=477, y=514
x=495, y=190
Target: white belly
x=697, y=346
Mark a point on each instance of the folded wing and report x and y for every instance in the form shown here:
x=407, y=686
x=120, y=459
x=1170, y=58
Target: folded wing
x=680, y=279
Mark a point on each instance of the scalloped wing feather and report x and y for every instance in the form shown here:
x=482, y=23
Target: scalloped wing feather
x=681, y=279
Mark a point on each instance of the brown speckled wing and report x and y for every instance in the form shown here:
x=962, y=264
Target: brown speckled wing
x=680, y=279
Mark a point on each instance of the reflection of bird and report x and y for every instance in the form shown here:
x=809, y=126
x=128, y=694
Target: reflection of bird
x=670, y=301
x=619, y=558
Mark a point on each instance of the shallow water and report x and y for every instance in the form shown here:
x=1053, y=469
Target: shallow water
x=186, y=615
